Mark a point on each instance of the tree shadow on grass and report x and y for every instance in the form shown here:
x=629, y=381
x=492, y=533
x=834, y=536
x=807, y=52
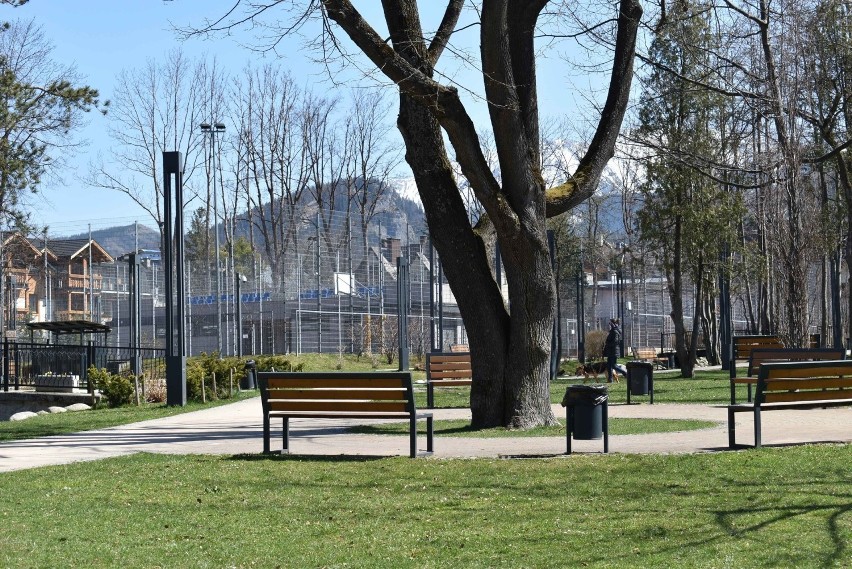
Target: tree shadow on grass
x=279, y=457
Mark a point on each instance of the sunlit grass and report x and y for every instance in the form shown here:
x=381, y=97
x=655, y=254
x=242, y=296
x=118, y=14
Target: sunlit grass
x=767, y=508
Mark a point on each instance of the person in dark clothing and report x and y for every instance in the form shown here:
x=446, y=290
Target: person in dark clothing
x=611, y=350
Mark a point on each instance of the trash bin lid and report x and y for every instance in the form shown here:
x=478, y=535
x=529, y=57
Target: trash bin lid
x=585, y=395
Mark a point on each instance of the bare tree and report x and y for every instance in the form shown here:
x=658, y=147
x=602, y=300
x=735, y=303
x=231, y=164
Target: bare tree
x=510, y=348
x=157, y=108
x=276, y=170
x=371, y=156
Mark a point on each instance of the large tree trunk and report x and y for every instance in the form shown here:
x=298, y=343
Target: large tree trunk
x=510, y=345
x=511, y=354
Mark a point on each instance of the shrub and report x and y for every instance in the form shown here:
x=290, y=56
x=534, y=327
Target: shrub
x=116, y=388
x=278, y=363
x=194, y=377
x=203, y=367
x=155, y=391
x=594, y=344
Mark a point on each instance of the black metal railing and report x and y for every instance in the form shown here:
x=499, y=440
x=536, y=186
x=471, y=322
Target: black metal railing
x=26, y=364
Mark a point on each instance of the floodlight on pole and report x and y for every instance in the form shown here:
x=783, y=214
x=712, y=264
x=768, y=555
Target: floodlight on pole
x=212, y=131
x=240, y=279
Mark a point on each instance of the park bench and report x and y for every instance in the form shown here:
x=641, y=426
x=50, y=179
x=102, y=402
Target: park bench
x=340, y=395
x=445, y=369
x=741, y=347
x=761, y=356
x=795, y=385
x=649, y=355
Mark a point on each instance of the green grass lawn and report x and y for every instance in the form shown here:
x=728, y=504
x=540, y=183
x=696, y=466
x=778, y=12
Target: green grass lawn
x=770, y=508
x=101, y=418
x=617, y=426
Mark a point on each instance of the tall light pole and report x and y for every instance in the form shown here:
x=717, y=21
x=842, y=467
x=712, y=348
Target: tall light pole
x=238, y=298
x=213, y=131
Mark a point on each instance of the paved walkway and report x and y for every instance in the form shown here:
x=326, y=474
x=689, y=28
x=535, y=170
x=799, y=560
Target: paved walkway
x=237, y=428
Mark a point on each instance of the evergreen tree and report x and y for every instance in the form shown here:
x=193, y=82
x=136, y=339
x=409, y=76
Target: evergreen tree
x=41, y=108
x=686, y=216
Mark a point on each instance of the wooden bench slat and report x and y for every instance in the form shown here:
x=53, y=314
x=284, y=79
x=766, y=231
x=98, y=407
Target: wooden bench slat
x=805, y=374
x=338, y=415
x=789, y=396
x=449, y=374
x=326, y=381
x=745, y=380
x=437, y=366
x=452, y=382
x=807, y=383
x=335, y=405
x=445, y=358
x=362, y=394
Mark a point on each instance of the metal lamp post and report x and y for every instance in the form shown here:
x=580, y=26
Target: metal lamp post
x=133, y=263
x=240, y=279
x=174, y=272
x=213, y=131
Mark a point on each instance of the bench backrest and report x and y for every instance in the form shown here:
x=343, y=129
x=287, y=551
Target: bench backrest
x=743, y=345
x=761, y=356
x=443, y=365
x=357, y=392
x=460, y=348
x=804, y=381
x=645, y=353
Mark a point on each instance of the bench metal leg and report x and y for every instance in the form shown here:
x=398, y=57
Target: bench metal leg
x=412, y=434
x=430, y=434
x=569, y=425
x=757, y=441
x=266, y=433
x=733, y=392
x=286, y=436
x=749, y=392
x=606, y=426
x=430, y=396
x=732, y=435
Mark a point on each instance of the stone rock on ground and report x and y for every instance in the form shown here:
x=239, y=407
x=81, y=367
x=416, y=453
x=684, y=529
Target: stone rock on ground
x=23, y=415
x=42, y=412
x=57, y=409
x=78, y=407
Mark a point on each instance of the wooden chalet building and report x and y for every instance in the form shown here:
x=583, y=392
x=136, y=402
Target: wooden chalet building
x=42, y=284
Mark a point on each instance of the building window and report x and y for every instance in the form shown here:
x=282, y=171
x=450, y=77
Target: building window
x=78, y=302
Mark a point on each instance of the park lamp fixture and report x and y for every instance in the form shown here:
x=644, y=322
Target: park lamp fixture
x=207, y=127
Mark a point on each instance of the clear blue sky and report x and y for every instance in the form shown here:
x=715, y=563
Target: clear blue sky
x=103, y=37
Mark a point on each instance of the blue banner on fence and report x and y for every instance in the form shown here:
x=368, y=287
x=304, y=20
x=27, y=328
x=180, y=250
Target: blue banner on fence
x=247, y=297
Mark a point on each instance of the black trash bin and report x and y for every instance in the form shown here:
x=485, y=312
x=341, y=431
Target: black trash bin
x=640, y=379
x=249, y=381
x=587, y=402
